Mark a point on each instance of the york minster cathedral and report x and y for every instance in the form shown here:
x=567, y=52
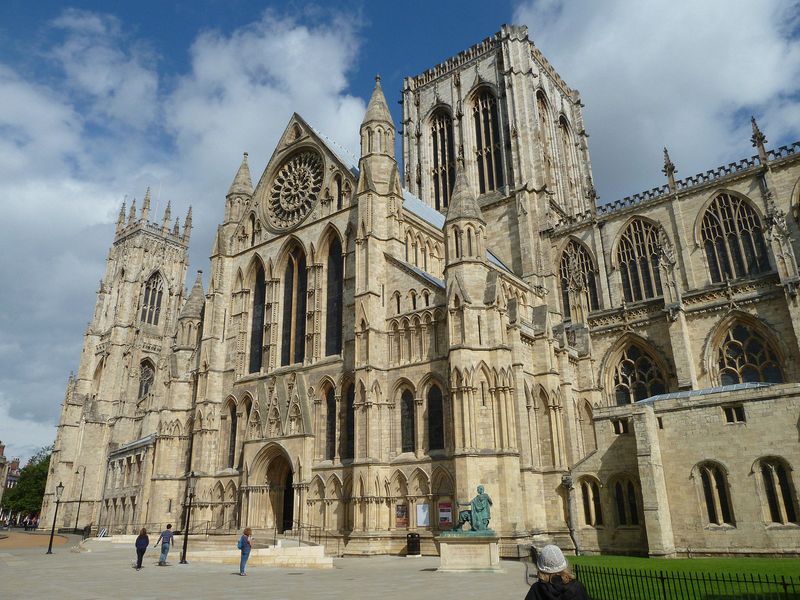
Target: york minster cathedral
x=377, y=337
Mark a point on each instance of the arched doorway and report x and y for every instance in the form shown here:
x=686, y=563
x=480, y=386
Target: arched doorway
x=281, y=492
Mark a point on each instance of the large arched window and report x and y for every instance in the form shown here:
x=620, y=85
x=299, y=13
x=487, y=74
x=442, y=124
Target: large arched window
x=407, y=421
x=578, y=277
x=330, y=424
x=295, y=290
x=349, y=423
x=625, y=502
x=147, y=375
x=335, y=289
x=444, y=158
x=232, y=417
x=716, y=494
x=257, y=321
x=637, y=376
x=638, y=258
x=780, y=496
x=487, y=139
x=746, y=356
x=151, y=302
x=543, y=137
x=435, y=419
x=733, y=239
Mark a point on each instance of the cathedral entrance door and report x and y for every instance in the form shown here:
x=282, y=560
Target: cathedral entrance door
x=279, y=478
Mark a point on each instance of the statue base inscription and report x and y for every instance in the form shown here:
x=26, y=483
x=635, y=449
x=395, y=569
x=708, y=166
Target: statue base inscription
x=468, y=552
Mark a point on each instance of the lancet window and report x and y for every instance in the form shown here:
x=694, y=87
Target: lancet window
x=638, y=258
x=747, y=356
x=578, y=278
x=592, y=509
x=444, y=158
x=407, y=428
x=435, y=419
x=567, y=152
x=733, y=239
x=625, y=503
x=637, y=376
x=349, y=423
x=295, y=291
x=543, y=137
x=147, y=375
x=715, y=494
x=335, y=290
x=487, y=137
x=257, y=321
x=330, y=424
x=151, y=302
x=781, y=498
x=232, y=418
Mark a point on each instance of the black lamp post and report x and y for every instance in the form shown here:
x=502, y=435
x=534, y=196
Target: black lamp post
x=190, y=484
x=59, y=491
x=80, y=497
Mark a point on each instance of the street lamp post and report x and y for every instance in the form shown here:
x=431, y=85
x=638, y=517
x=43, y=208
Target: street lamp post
x=80, y=497
x=59, y=491
x=190, y=483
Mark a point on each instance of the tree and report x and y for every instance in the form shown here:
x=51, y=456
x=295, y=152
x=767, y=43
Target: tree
x=26, y=497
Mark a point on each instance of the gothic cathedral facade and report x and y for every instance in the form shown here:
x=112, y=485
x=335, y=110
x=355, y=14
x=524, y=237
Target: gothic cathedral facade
x=375, y=342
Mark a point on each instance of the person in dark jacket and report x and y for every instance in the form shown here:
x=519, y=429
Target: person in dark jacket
x=245, y=544
x=555, y=579
x=141, y=545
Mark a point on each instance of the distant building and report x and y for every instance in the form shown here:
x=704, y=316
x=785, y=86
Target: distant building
x=3, y=471
x=375, y=343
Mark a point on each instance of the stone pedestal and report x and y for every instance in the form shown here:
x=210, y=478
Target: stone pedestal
x=468, y=553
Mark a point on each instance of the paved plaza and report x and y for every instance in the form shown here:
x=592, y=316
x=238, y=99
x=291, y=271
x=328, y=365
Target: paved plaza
x=105, y=572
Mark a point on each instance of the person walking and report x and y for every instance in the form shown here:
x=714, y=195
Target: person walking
x=166, y=539
x=245, y=545
x=556, y=581
x=142, y=542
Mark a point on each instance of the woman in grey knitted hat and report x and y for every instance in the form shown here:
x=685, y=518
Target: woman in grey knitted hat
x=555, y=579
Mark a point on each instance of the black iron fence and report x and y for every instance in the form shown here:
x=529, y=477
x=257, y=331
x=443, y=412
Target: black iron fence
x=604, y=583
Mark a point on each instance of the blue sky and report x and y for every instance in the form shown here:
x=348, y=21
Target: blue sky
x=101, y=99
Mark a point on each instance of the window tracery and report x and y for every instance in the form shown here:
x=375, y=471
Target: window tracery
x=147, y=375
x=745, y=356
x=638, y=257
x=487, y=136
x=781, y=499
x=733, y=239
x=637, y=376
x=151, y=302
x=444, y=158
x=543, y=137
x=716, y=494
x=578, y=278
x=567, y=150
x=295, y=189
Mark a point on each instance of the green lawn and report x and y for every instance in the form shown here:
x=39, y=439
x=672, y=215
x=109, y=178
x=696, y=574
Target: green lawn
x=687, y=578
x=735, y=566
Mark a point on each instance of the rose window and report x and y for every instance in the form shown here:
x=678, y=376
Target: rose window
x=295, y=189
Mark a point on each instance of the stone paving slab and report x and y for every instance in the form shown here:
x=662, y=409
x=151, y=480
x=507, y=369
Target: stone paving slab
x=106, y=572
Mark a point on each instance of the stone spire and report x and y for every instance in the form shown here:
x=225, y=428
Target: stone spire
x=167, y=217
x=193, y=308
x=177, y=227
x=377, y=109
x=146, y=205
x=463, y=203
x=669, y=170
x=758, y=140
x=132, y=213
x=242, y=183
x=121, y=217
x=187, y=226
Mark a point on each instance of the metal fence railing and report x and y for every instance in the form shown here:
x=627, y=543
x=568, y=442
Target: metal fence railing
x=604, y=583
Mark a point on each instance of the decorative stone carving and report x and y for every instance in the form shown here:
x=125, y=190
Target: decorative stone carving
x=295, y=190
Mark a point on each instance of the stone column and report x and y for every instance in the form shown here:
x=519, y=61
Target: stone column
x=655, y=502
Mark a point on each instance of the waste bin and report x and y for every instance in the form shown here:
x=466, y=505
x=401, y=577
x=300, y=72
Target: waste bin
x=412, y=544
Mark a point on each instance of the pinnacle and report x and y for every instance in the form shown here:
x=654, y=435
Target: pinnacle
x=377, y=109
x=194, y=304
x=463, y=204
x=242, y=184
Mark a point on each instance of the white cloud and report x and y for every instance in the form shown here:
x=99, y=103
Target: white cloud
x=106, y=124
x=682, y=74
